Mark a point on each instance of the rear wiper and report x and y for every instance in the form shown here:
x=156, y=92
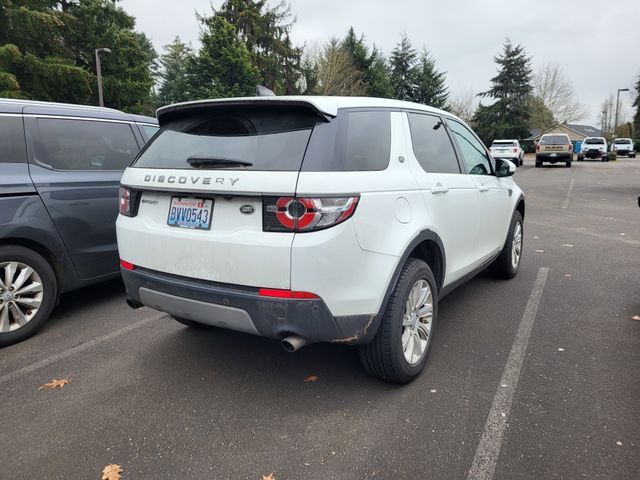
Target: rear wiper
x=213, y=162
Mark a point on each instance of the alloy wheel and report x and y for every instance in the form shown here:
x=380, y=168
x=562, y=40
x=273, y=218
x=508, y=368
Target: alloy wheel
x=21, y=295
x=417, y=321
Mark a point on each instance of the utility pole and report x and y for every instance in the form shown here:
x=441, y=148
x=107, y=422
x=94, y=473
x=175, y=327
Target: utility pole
x=604, y=123
x=99, y=73
x=615, y=123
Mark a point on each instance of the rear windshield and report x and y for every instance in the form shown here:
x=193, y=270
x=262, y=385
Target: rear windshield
x=503, y=144
x=623, y=141
x=274, y=139
x=554, y=140
x=260, y=138
x=594, y=141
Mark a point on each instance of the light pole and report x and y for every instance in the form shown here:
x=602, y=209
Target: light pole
x=99, y=73
x=615, y=123
x=604, y=123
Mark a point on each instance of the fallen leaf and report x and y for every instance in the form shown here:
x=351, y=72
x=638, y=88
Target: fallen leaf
x=311, y=378
x=567, y=245
x=619, y=443
x=433, y=390
x=112, y=472
x=540, y=251
x=636, y=317
x=536, y=237
x=567, y=275
x=268, y=477
x=561, y=349
x=623, y=234
x=55, y=383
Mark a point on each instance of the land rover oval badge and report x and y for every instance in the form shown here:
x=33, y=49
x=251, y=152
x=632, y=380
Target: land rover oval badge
x=247, y=209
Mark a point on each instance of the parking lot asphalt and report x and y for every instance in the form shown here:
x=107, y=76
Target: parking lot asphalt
x=532, y=378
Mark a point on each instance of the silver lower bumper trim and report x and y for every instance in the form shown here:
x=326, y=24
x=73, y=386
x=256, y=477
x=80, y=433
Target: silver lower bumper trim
x=203, y=312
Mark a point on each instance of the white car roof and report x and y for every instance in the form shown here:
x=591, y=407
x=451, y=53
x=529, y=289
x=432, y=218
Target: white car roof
x=326, y=105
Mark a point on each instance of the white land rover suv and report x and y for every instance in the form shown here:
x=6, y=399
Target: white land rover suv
x=316, y=219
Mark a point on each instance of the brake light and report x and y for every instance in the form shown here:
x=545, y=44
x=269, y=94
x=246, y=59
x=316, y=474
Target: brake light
x=277, y=293
x=124, y=203
x=515, y=150
x=571, y=147
x=538, y=148
x=306, y=214
x=127, y=265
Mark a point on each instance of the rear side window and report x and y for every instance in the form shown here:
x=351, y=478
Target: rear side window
x=357, y=140
x=63, y=144
x=432, y=145
x=262, y=138
x=149, y=130
x=554, y=140
x=12, y=146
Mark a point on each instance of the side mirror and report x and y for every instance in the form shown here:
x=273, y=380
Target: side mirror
x=504, y=167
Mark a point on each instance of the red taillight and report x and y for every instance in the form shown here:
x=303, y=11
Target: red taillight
x=277, y=293
x=537, y=148
x=127, y=265
x=515, y=150
x=571, y=148
x=306, y=214
x=124, y=203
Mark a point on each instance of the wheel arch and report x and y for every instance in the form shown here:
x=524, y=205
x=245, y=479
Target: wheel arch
x=426, y=246
x=43, y=251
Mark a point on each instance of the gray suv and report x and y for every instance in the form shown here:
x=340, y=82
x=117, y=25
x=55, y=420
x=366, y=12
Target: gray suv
x=60, y=169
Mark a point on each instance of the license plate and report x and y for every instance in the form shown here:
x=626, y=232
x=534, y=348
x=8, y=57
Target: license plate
x=554, y=154
x=187, y=212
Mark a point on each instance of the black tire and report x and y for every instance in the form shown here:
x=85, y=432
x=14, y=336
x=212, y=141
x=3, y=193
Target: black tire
x=383, y=357
x=502, y=267
x=14, y=253
x=538, y=164
x=580, y=158
x=568, y=164
x=521, y=161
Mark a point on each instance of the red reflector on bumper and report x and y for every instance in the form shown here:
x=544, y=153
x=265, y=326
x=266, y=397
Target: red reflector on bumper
x=127, y=265
x=277, y=293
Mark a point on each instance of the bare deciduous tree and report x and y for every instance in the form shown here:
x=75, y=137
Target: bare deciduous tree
x=553, y=90
x=463, y=104
x=335, y=72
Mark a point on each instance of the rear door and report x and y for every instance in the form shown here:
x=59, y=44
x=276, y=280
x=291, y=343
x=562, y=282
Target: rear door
x=76, y=165
x=493, y=215
x=451, y=196
x=229, y=165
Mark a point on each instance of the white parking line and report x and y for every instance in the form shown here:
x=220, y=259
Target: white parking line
x=567, y=198
x=486, y=457
x=78, y=348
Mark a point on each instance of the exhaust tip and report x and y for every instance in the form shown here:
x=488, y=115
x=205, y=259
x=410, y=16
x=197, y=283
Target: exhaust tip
x=293, y=343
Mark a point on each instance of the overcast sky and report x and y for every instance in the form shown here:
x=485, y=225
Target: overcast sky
x=597, y=43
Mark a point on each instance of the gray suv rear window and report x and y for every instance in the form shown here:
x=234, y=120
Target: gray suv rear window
x=12, y=146
x=267, y=138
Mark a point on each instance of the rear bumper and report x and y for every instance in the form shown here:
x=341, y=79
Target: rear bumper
x=554, y=157
x=242, y=309
x=593, y=153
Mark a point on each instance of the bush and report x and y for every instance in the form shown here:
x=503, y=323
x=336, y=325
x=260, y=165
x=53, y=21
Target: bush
x=613, y=156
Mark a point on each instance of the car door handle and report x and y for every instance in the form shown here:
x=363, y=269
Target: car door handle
x=483, y=188
x=439, y=189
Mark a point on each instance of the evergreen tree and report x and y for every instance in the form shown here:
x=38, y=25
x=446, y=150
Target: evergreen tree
x=371, y=65
x=266, y=34
x=223, y=66
x=128, y=72
x=430, y=88
x=35, y=62
x=636, y=118
x=403, y=61
x=174, y=61
x=47, y=53
x=508, y=116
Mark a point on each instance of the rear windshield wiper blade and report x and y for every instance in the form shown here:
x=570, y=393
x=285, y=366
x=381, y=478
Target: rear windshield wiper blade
x=216, y=162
